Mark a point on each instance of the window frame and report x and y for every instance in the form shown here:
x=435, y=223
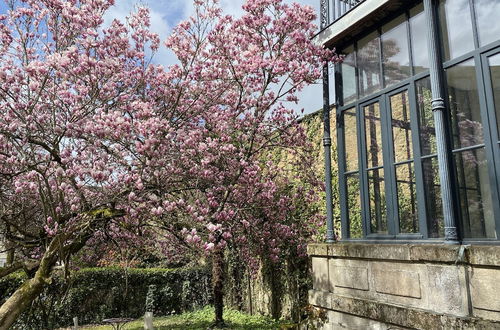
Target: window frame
x=492, y=154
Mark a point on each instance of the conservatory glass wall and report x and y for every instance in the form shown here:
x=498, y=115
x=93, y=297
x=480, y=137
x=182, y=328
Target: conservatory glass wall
x=388, y=163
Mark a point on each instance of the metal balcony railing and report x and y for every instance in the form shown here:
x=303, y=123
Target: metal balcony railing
x=332, y=10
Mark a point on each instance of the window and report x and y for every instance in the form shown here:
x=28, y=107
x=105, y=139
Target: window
x=391, y=180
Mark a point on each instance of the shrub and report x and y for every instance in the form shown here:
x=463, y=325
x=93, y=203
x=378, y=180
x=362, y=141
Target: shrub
x=94, y=294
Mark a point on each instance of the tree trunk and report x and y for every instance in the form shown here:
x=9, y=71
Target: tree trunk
x=29, y=290
x=218, y=286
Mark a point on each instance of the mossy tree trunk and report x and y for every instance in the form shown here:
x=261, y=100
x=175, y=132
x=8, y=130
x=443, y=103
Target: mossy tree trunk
x=218, y=286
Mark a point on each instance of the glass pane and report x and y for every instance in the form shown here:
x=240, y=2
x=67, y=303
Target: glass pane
x=494, y=62
x=401, y=130
x=433, y=202
x=354, y=206
x=488, y=24
x=476, y=203
x=407, y=198
x=348, y=76
x=425, y=117
x=368, y=57
x=396, y=57
x=418, y=28
x=464, y=105
x=376, y=189
x=351, y=140
x=456, y=27
x=373, y=135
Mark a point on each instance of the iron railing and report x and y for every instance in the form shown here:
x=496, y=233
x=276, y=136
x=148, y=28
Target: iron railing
x=332, y=10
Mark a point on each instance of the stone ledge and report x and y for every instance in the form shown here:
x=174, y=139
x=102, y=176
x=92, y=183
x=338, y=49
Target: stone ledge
x=398, y=315
x=441, y=253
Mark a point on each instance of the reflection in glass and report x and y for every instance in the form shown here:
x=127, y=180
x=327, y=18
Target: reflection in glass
x=348, y=76
x=494, y=62
x=425, y=117
x=354, y=206
x=464, y=105
x=376, y=189
x=456, y=27
x=407, y=198
x=433, y=202
x=350, y=140
x=476, y=203
x=373, y=135
x=401, y=130
x=368, y=60
x=396, y=57
x=488, y=24
x=419, y=39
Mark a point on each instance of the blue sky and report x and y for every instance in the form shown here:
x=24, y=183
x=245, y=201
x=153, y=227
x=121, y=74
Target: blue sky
x=165, y=14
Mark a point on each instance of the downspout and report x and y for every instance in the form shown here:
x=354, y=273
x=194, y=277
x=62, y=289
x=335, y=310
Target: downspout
x=440, y=113
x=327, y=143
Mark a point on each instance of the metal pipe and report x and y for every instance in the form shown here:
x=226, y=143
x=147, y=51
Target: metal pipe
x=327, y=143
x=439, y=111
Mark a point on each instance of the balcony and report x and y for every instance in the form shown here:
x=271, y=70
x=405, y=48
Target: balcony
x=332, y=10
x=342, y=19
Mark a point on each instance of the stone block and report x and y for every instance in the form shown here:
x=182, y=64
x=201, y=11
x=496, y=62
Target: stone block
x=349, y=277
x=317, y=249
x=320, y=274
x=446, y=285
x=485, y=289
x=484, y=255
x=320, y=299
x=370, y=251
x=397, y=282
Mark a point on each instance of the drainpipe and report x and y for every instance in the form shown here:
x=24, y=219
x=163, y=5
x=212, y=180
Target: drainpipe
x=327, y=143
x=440, y=114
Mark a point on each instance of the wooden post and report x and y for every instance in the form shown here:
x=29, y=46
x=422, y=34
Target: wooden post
x=148, y=321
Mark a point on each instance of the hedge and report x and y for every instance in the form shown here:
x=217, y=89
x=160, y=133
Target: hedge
x=94, y=294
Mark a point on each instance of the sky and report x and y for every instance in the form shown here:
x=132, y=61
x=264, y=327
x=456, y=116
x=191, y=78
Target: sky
x=166, y=14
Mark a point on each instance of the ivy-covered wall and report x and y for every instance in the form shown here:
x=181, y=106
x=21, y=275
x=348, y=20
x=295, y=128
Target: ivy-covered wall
x=98, y=293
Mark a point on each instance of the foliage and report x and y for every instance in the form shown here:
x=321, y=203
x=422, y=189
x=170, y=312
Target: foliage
x=203, y=319
x=97, y=293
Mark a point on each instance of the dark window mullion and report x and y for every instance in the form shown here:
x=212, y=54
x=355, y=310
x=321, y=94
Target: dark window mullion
x=344, y=222
x=392, y=213
x=363, y=173
x=474, y=23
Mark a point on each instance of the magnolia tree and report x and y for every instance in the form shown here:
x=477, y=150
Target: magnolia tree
x=210, y=174
x=61, y=180
x=96, y=141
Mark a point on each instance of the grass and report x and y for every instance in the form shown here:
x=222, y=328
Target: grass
x=203, y=319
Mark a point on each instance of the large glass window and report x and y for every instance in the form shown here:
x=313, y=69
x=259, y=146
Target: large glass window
x=456, y=28
x=352, y=174
x=368, y=60
x=406, y=187
x=392, y=178
x=375, y=169
x=418, y=37
x=476, y=203
x=488, y=24
x=395, y=51
x=348, y=76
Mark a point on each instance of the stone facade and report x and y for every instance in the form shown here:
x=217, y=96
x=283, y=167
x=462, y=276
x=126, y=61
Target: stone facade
x=391, y=286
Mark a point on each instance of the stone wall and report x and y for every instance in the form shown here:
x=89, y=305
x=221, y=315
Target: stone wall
x=391, y=286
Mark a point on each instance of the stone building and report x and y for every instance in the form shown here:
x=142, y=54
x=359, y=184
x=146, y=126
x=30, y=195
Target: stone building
x=417, y=108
